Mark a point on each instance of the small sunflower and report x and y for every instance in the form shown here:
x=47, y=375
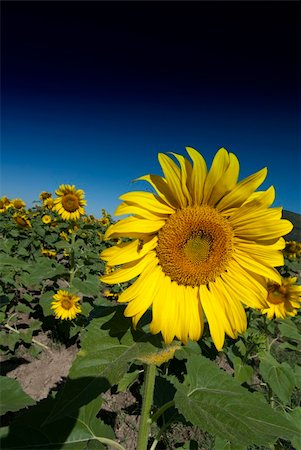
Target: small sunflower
x=198, y=245
x=46, y=219
x=64, y=236
x=17, y=203
x=292, y=250
x=65, y=305
x=22, y=220
x=49, y=253
x=283, y=300
x=70, y=201
x=48, y=203
x=44, y=195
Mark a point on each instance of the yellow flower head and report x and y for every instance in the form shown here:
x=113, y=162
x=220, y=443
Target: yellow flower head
x=21, y=220
x=292, y=250
x=4, y=204
x=69, y=202
x=65, y=305
x=46, y=219
x=64, y=236
x=283, y=300
x=105, y=221
x=18, y=203
x=44, y=195
x=48, y=203
x=197, y=246
x=49, y=253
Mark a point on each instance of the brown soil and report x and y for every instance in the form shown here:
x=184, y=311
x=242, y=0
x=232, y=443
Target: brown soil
x=38, y=376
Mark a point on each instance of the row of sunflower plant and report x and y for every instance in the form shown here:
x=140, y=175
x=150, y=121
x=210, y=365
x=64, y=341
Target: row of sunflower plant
x=210, y=325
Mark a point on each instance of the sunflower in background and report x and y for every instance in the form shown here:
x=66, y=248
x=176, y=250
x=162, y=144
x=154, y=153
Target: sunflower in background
x=48, y=203
x=46, y=219
x=65, y=305
x=69, y=202
x=44, y=195
x=17, y=203
x=21, y=220
x=283, y=300
x=198, y=246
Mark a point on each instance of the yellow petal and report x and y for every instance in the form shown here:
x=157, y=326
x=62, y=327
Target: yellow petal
x=254, y=265
x=214, y=317
x=186, y=172
x=219, y=165
x=198, y=176
x=129, y=271
x=128, y=251
x=137, y=288
x=133, y=227
x=261, y=231
x=139, y=211
x=172, y=175
x=226, y=182
x=242, y=190
x=148, y=201
x=145, y=298
x=161, y=187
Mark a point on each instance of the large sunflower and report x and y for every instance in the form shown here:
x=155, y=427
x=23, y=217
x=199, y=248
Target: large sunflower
x=199, y=244
x=69, y=202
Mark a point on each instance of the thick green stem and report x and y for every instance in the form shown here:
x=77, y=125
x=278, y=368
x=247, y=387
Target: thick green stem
x=145, y=421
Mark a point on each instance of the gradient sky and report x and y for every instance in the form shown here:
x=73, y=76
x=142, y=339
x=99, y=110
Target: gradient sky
x=92, y=91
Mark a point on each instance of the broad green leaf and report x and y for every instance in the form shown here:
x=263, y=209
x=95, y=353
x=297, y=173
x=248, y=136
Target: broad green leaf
x=242, y=372
x=127, y=380
x=107, y=350
x=295, y=417
x=89, y=287
x=7, y=260
x=223, y=444
x=12, y=397
x=45, y=302
x=212, y=400
x=297, y=372
x=289, y=329
x=29, y=430
x=279, y=376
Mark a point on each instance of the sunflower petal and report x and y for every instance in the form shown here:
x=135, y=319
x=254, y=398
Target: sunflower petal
x=242, y=191
x=133, y=227
x=198, y=176
x=128, y=251
x=147, y=200
x=129, y=271
x=172, y=175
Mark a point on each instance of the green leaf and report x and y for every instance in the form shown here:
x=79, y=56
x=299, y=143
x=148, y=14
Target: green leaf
x=89, y=287
x=104, y=358
x=223, y=444
x=75, y=432
x=210, y=399
x=127, y=380
x=289, y=329
x=295, y=417
x=12, y=397
x=279, y=376
x=242, y=372
x=45, y=303
x=7, y=260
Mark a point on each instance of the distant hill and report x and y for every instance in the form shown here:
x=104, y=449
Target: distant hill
x=295, y=234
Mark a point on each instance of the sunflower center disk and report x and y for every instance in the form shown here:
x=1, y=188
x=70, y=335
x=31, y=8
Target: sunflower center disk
x=66, y=303
x=70, y=202
x=195, y=245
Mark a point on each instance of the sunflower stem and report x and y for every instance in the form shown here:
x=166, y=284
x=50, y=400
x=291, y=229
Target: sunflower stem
x=145, y=421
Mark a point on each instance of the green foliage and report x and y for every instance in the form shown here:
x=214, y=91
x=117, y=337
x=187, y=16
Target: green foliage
x=254, y=402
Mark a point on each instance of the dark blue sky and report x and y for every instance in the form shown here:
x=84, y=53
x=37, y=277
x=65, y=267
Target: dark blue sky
x=92, y=91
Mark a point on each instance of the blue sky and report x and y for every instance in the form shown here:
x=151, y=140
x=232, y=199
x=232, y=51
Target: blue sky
x=91, y=92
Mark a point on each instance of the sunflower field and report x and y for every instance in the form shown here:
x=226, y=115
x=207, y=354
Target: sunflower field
x=223, y=372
